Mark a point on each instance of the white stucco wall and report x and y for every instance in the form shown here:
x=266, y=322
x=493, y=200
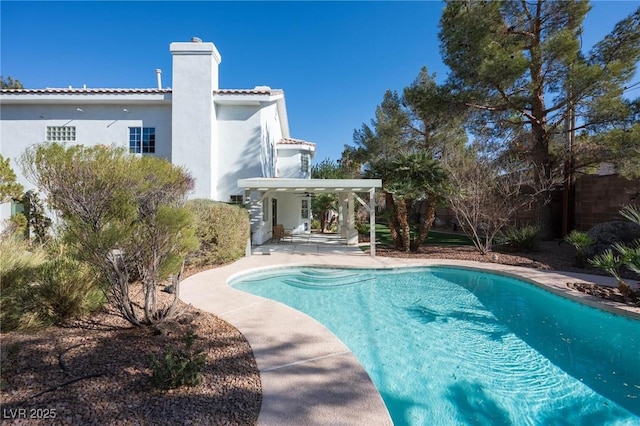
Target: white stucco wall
x=271, y=134
x=289, y=160
x=290, y=212
x=239, y=138
x=23, y=125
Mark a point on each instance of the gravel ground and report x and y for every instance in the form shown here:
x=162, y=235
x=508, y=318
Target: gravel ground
x=111, y=362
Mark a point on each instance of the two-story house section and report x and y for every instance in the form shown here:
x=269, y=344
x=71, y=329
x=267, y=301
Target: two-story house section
x=219, y=135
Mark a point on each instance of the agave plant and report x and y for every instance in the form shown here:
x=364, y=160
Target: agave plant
x=625, y=255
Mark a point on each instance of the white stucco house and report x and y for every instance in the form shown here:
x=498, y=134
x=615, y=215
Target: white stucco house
x=235, y=142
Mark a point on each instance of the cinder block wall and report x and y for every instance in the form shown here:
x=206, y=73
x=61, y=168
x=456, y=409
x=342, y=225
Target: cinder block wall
x=600, y=198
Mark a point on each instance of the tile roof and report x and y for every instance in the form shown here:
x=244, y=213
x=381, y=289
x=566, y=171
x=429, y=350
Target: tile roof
x=49, y=90
x=256, y=91
x=291, y=141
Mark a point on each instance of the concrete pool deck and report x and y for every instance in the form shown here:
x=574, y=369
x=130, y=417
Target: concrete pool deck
x=308, y=375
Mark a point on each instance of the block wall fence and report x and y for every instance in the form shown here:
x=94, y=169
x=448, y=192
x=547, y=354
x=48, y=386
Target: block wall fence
x=597, y=199
x=600, y=198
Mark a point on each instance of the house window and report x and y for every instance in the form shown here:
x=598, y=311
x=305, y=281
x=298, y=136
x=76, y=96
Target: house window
x=305, y=161
x=142, y=140
x=304, y=210
x=16, y=207
x=61, y=133
x=237, y=199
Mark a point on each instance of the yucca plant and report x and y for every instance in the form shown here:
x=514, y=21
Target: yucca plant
x=625, y=255
x=520, y=239
x=580, y=240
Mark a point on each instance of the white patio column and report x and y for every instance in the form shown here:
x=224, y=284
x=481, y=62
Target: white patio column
x=342, y=214
x=247, y=202
x=352, y=232
x=372, y=221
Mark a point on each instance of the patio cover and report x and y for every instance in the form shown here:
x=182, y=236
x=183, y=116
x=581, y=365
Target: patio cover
x=348, y=187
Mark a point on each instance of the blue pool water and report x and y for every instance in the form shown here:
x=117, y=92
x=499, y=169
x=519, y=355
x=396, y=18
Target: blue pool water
x=449, y=346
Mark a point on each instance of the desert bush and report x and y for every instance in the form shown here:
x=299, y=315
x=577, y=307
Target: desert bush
x=606, y=234
x=40, y=288
x=520, y=239
x=9, y=186
x=122, y=214
x=580, y=240
x=222, y=229
x=178, y=367
x=363, y=228
x=67, y=288
x=20, y=264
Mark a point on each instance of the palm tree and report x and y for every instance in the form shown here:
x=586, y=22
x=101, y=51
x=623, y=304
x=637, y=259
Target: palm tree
x=409, y=178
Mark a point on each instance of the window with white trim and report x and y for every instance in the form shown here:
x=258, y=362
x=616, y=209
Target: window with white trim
x=236, y=199
x=142, y=140
x=61, y=133
x=305, y=163
x=304, y=209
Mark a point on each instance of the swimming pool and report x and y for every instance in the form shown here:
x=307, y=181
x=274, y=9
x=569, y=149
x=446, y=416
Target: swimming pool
x=452, y=346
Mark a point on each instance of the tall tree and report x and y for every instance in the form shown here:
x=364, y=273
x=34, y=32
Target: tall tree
x=10, y=189
x=401, y=146
x=376, y=146
x=520, y=66
x=323, y=203
x=10, y=83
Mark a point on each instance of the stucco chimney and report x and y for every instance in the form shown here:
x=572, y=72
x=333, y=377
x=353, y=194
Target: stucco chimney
x=193, y=115
x=159, y=76
x=200, y=59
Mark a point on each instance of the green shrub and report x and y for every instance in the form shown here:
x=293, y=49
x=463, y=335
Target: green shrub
x=363, y=228
x=178, y=367
x=580, y=240
x=18, y=271
x=37, y=291
x=222, y=229
x=627, y=255
x=67, y=289
x=520, y=239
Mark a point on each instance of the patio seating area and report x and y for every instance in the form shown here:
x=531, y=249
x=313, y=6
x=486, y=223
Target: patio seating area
x=314, y=243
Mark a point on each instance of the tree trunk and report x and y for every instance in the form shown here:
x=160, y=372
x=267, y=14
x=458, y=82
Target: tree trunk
x=403, y=219
x=394, y=225
x=173, y=309
x=539, y=129
x=425, y=225
x=323, y=221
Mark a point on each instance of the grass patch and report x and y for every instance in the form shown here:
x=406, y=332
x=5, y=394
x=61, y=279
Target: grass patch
x=435, y=238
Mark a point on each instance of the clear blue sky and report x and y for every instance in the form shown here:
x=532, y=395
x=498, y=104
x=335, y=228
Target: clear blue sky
x=334, y=60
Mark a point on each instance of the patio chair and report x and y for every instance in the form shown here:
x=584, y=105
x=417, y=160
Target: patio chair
x=278, y=233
